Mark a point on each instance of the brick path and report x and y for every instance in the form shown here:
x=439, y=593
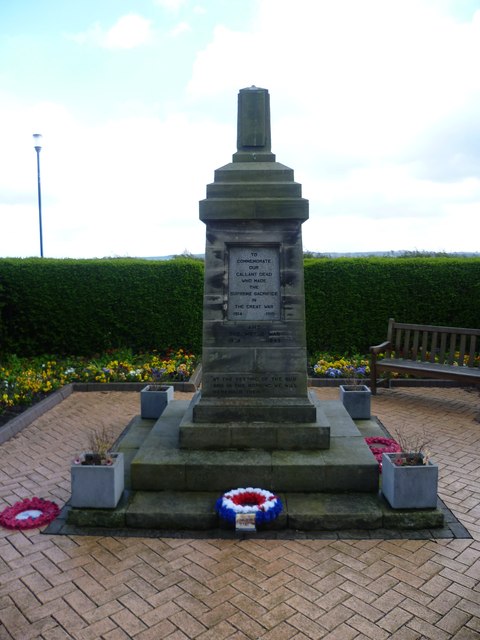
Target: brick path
x=80, y=587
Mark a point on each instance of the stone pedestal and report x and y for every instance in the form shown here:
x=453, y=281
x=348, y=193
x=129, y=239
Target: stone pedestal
x=254, y=344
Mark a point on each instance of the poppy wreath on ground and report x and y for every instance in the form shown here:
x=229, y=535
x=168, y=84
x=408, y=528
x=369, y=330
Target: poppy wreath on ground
x=265, y=505
x=379, y=445
x=29, y=513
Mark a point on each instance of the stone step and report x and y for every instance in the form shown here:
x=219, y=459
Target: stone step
x=252, y=410
x=254, y=190
x=264, y=435
x=195, y=511
x=347, y=465
x=343, y=467
x=266, y=172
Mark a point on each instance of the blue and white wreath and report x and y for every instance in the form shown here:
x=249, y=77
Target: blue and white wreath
x=265, y=505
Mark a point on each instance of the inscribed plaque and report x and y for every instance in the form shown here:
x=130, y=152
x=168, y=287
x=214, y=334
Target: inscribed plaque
x=254, y=283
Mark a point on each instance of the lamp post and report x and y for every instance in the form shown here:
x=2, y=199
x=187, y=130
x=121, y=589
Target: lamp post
x=38, y=148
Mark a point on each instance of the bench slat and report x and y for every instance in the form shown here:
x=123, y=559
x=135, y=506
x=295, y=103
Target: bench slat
x=461, y=355
x=433, y=347
x=406, y=344
x=440, y=329
x=471, y=353
x=416, y=338
x=398, y=342
x=453, y=341
x=443, y=347
x=434, y=370
x=424, y=346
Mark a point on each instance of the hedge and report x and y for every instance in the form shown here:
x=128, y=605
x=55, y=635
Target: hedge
x=80, y=307
x=349, y=300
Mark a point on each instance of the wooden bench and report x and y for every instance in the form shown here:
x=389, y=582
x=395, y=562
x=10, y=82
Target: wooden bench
x=426, y=351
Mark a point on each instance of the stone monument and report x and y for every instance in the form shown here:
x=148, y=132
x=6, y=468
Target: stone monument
x=254, y=344
x=254, y=423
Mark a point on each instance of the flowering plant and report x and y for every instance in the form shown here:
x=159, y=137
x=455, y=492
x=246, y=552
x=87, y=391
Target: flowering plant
x=355, y=374
x=379, y=445
x=100, y=443
x=414, y=448
x=24, y=381
x=343, y=367
x=265, y=505
x=157, y=375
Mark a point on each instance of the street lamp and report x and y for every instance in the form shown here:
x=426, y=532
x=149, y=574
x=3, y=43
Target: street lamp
x=38, y=148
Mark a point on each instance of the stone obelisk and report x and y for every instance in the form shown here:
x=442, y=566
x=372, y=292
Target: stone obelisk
x=254, y=346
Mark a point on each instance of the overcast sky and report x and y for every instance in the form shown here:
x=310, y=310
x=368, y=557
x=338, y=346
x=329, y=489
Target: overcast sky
x=375, y=104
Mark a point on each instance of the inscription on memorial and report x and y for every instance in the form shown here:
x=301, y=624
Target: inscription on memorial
x=253, y=384
x=260, y=333
x=254, y=283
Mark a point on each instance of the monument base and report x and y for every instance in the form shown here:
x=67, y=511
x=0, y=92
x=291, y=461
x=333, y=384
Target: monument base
x=194, y=511
x=262, y=432
x=322, y=491
x=234, y=409
x=162, y=465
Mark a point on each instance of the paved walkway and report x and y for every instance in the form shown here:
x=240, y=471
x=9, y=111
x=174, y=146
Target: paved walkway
x=81, y=587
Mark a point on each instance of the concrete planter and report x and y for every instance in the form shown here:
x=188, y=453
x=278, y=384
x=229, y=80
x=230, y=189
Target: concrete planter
x=409, y=486
x=153, y=400
x=356, y=399
x=97, y=486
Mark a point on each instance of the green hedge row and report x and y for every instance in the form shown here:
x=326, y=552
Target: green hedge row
x=81, y=307
x=349, y=300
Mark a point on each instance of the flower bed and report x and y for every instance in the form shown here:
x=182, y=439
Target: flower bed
x=355, y=368
x=24, y=381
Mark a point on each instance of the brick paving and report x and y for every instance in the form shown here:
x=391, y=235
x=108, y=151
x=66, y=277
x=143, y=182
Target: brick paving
x=87, y=587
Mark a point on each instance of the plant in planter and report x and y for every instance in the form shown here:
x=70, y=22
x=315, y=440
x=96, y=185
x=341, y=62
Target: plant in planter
x=410, y=478
x=97, y=475
x=356, y=396
x=155, y=397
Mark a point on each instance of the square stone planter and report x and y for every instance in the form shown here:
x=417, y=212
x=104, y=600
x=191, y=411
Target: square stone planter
x=357, y=400
x=409, y=486
x=97, y=486
x=153, y=400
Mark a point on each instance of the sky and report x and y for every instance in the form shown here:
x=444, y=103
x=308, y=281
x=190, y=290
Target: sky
x=375, y=105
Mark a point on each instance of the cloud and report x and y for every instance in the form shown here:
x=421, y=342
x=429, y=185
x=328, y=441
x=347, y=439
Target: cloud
x=128, y=32
x=374, y=105
x=365, y=77
x=170, y=5
x=180, y=28
x=450, y=150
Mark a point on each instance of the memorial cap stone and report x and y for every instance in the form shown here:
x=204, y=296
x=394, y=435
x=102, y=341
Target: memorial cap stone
x=253, y=126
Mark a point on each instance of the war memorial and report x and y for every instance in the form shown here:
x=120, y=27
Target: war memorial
x=254, y=422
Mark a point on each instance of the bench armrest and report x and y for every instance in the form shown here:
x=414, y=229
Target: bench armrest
x=380, y=347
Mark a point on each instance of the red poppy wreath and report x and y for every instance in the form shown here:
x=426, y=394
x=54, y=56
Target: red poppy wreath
x=387, y=445
x=29, y=513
